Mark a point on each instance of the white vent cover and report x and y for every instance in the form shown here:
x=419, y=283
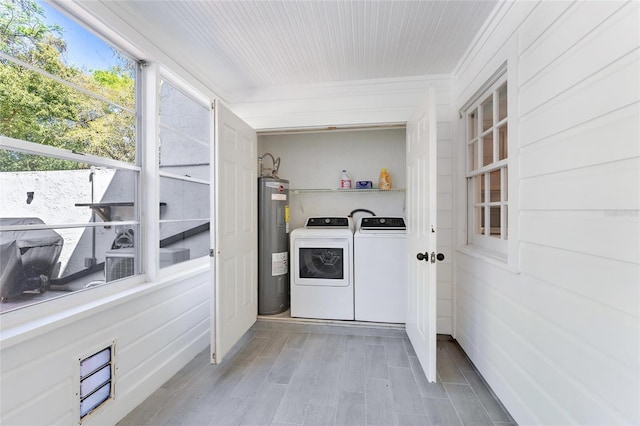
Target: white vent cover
x=95, y=380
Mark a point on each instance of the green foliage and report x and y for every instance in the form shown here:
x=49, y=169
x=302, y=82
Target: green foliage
x=39, y=109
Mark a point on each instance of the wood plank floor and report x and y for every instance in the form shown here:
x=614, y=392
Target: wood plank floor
x=287, y=373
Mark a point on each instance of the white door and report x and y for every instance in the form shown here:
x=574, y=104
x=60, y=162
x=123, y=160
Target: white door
x=234, y=301
x=421, y=232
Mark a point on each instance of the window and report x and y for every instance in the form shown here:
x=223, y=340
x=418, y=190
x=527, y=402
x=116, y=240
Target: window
x=185, y=132
x=487, y=168
x=69, y=170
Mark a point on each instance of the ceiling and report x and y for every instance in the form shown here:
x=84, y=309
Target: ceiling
x=240, y=46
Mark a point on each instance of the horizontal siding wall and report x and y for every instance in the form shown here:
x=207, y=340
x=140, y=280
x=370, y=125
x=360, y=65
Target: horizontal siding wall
x=156, y=334
x=558, y=340
x=358, y=103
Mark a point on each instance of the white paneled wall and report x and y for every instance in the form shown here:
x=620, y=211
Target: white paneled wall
x=558, y=338
x=156, y=329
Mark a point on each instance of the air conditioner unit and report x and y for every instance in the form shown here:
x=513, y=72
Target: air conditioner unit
x=119, y=263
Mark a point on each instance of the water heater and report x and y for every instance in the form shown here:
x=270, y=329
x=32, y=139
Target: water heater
x=273, y=245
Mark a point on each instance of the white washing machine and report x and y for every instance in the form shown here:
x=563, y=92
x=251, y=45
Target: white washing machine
x=380, y=269
x=322, y=269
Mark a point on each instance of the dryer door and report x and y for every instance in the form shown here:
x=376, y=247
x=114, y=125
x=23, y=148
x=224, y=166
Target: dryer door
x=322, y=262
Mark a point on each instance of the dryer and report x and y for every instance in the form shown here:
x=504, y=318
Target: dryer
x=322, y=269
x=380, y=269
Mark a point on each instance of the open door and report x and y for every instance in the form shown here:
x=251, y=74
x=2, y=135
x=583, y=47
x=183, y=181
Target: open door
x=422, y=232
x=235, y=297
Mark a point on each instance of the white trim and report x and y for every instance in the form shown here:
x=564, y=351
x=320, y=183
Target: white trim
x=150, y=178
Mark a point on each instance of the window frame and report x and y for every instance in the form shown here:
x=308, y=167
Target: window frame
x=32, y=148
x=164, y=75
x=496, y=247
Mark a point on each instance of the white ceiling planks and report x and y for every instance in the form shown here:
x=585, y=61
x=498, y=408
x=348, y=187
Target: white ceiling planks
x=239, y=46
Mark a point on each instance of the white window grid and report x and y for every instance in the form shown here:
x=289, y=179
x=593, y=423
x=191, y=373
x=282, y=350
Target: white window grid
x=479, y=171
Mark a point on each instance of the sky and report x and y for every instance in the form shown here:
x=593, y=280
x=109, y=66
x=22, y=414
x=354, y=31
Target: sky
x=84, y=49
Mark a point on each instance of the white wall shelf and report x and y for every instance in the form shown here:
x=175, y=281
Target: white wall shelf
x=351, y=190
x=300, y=192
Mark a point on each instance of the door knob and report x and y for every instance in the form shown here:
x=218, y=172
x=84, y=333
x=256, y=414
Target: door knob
x=422, y=256
x=440, y=257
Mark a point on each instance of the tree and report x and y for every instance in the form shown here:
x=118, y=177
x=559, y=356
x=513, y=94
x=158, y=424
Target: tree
x=39, y=109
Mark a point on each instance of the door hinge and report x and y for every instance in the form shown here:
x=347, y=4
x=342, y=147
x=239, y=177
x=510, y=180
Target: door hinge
x=212, y=253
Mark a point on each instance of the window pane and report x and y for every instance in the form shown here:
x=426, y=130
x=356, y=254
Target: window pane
x=184, y=133
x=480, y=195
x=495, y=189
x=38, y=34
x=479, y=220
x=502, y=102
x=487, y=114
x=46, y=112
x=494, y=221
x=41, y=264
x=502, y=142
x=184, y=217
x=183, y=200
x=473, y=156
x=473, y=125
x=505, y=210
x=64, y=192
x=487, y=149
x=505, y=185
x=183, y=156
x=183, y=114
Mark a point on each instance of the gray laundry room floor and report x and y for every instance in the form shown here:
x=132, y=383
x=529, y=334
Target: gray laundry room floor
x=290, y=373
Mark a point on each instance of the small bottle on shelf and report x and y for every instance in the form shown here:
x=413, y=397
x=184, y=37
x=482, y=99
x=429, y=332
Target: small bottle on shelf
x=384, y=182
x=345, y=180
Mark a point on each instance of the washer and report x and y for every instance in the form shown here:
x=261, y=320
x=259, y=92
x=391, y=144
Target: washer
x=380, y=269
x=322, y=269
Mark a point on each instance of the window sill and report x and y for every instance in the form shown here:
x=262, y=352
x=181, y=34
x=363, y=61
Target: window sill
x=30, y=322
x=491, y=257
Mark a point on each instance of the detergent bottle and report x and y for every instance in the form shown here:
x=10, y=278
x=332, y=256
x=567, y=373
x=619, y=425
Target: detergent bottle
x=385, y=180
x=345, y=180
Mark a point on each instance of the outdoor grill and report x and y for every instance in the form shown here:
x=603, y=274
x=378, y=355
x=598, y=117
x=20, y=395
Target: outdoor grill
x=27, y=257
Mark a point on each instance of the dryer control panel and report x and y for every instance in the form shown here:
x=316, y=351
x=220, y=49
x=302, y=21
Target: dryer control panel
x=383, y=223
x=327, y=222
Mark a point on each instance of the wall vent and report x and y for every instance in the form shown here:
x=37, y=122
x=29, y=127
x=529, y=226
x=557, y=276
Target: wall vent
x=96, y=380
